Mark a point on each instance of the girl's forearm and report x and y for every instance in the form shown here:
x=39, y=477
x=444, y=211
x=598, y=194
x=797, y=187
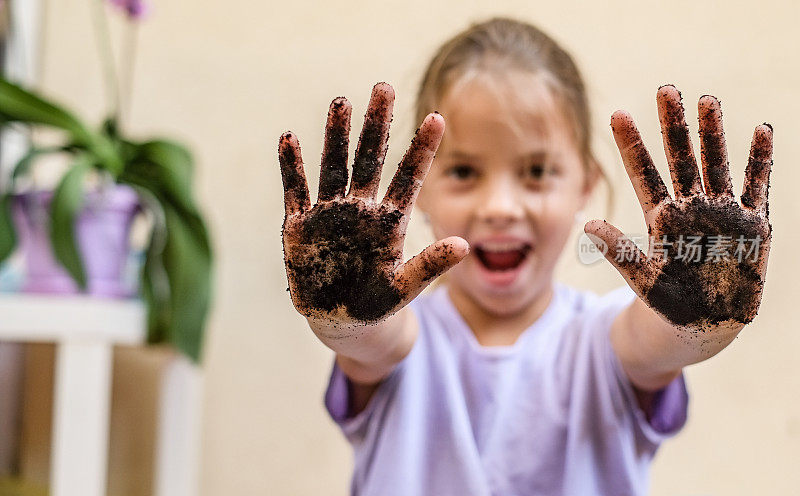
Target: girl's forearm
x=653, y=352
x=368, y=353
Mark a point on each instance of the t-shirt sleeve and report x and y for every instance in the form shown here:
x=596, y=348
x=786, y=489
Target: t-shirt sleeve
x=669, y=405
x=337, y=400
x=339, y=390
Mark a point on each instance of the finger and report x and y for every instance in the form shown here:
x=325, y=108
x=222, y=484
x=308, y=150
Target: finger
x=650, y=189
x=333, y=175
x=713, y=151
x=677, y=144
x=414, y=167
x=371, y=149
x=623, y=254
x=295, y=188
x=415, y=275
x=756, y=176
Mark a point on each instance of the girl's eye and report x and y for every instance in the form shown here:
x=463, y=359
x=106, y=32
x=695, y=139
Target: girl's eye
x=462, y=172
x=536, y=171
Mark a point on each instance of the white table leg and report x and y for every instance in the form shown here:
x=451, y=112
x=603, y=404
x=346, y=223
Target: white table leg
x=80, y=419
x=178, y=449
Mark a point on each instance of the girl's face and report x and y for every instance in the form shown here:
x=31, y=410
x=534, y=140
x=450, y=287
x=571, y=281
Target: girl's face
x=508, y=178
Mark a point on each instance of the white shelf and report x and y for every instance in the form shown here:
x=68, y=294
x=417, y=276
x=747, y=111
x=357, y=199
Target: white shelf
x=85, y=330
x=52, y=318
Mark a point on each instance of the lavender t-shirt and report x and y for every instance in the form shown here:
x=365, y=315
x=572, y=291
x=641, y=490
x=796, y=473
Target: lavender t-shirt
x=554, y=414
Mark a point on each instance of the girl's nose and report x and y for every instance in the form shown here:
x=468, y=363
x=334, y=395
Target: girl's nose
x=500, y=204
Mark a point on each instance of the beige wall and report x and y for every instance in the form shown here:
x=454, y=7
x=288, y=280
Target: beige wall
x=229, y=77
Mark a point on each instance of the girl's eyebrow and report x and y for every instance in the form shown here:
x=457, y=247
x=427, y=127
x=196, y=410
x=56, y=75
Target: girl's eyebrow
x=536, y=156
x=460, y=155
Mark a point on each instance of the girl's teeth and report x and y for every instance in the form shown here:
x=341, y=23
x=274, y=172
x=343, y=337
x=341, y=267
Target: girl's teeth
x=500, y=247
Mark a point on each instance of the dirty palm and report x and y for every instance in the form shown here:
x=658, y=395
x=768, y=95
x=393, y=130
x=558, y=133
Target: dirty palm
x=717, y=286
x=344, y=254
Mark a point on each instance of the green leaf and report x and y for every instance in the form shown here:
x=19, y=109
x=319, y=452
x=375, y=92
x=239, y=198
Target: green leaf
x=170, y=154
x=24, y=164
x=8, y=234
x=110, y=128
x=20, y=105
x=155, y=292
x=176, y=284
x=154, y=280
x=180, y=273
x=165, y=169
x=64, y=210
x=166, y=164
x=187, y=263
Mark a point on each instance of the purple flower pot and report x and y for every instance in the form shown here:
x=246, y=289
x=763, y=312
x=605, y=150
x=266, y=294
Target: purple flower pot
x=102, y=235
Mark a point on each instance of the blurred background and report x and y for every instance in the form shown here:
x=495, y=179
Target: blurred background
x=227, y=78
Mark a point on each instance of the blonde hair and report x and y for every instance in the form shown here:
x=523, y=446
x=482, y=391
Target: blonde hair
x=501, y=44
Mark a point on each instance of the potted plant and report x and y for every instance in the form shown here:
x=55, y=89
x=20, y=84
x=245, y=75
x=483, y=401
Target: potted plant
x=153, y=174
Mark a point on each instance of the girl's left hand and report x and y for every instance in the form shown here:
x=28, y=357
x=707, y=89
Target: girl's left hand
x=708, y=252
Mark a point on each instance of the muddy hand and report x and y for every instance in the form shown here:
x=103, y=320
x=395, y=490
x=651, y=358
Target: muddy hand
x=344, y=255
x=708, y=253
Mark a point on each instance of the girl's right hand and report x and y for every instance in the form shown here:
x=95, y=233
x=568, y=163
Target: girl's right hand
x=344, y=255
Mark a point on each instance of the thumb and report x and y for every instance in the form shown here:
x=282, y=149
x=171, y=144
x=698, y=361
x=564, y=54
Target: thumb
x=623, y=253
x=415, y=275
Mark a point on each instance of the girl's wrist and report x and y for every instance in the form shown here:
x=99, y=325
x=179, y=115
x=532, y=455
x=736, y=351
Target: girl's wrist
x=370, y=345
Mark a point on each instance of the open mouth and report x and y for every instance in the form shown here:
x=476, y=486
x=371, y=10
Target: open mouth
x=502, y=257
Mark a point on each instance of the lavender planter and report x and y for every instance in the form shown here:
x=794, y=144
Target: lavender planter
x=102, y=233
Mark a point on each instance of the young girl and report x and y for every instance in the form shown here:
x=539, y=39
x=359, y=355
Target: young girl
x=502, y=381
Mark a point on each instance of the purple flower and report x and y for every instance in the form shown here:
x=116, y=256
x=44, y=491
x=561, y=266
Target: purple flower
x=136, y=9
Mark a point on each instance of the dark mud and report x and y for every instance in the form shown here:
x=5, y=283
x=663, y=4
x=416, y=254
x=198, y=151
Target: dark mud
x=679, y=145
x=706, y=293
x=344, y=258
x=410, y=173
x=713, y=149
x=651, y=179
x=333, y=174
x=294, y=181
x=372, y=144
